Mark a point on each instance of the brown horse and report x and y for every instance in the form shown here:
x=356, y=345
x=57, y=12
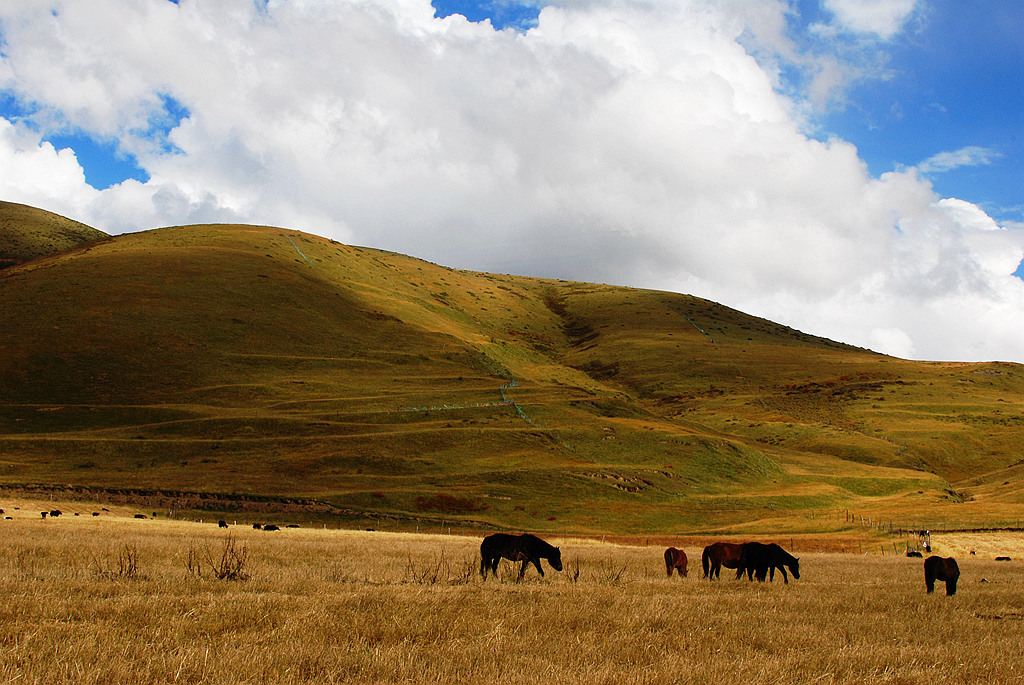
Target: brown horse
x=675, y=559
x=939, y=568
x=720, y=554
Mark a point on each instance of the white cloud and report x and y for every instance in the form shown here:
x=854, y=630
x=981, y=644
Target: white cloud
x=965, y=156
x=35, y=173
x=882, y=18
x=632, y=143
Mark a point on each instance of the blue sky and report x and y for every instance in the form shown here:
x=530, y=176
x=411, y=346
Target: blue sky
x=852, y=168
x=957, y=81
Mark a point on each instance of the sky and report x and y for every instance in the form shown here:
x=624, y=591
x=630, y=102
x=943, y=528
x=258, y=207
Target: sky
x=851, y=168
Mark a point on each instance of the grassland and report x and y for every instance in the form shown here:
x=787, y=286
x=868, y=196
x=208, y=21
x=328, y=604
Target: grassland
x=243, y=369
x=114, y=599
x=27, y=233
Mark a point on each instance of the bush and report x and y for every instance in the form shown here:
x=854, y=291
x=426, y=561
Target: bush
x=230, y=565
x=450, y=505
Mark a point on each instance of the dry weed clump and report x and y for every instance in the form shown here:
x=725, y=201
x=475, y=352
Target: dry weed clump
x=124, y=565
x=357, y=607
x=230, y=564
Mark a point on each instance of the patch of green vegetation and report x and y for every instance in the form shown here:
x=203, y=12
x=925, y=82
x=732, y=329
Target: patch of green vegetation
x=215, y=358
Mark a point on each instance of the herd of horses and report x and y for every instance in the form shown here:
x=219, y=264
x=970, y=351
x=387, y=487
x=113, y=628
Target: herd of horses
x=755, y=559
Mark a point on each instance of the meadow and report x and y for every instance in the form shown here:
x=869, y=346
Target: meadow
x=112, y=599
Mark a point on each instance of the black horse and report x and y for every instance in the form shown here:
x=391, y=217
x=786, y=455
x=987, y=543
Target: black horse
x=525, y=548
x=759, y=560
x=939, y=568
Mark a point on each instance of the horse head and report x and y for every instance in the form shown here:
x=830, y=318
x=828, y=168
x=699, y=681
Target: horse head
x=795, y=568
x=555, y=559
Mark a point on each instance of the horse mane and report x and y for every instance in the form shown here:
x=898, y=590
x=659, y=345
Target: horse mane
x=790, y=559
x=547, y=546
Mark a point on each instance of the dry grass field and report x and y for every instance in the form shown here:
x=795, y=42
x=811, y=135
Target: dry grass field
x=112, y=599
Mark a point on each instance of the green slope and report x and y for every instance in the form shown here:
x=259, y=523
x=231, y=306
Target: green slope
x=27, y=233
x=261, y=361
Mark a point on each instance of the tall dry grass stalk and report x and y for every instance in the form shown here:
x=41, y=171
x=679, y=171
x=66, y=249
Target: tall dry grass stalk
x=356, y=607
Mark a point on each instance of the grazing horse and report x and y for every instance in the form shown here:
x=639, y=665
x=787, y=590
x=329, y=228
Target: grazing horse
x=939, y=568
x=675, y=559
x=525, y=548
x=720, y=554
x=760, y=559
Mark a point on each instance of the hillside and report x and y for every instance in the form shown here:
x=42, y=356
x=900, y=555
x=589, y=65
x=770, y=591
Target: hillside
x=27, y=233
x=248, y=367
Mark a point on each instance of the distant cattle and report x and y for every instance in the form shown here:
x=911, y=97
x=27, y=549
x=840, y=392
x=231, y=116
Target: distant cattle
x=257, y=526
x=939, y=568
x=1, y=511
x=8, y=518
x=222, y=524
x=675, y=560
x=911, y=553
x=1002, y=558
x=141, y=516
x=55, y=513
x=95, y=513
x=44, y=514
x=292, y=525
x=270, y=526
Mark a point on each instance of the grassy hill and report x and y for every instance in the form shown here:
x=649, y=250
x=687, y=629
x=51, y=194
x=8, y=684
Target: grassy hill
x=27, y=233
x=249, y=367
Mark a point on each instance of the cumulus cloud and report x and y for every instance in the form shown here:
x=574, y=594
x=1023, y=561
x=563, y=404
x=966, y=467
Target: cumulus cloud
x=632, y=143
x=37, y=174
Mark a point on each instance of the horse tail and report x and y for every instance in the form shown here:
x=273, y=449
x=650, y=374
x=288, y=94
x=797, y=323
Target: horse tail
x=705, y=560
x=485, y=548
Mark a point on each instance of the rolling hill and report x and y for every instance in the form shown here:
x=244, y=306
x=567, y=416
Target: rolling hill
x=255, y=368
x=27, y=233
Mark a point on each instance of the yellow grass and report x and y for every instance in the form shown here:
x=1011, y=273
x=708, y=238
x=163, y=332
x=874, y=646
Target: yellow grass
x=324, y=606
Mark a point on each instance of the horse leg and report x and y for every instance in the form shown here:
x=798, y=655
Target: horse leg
x=536, y=562
x=522, y=570
x=785, y=578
